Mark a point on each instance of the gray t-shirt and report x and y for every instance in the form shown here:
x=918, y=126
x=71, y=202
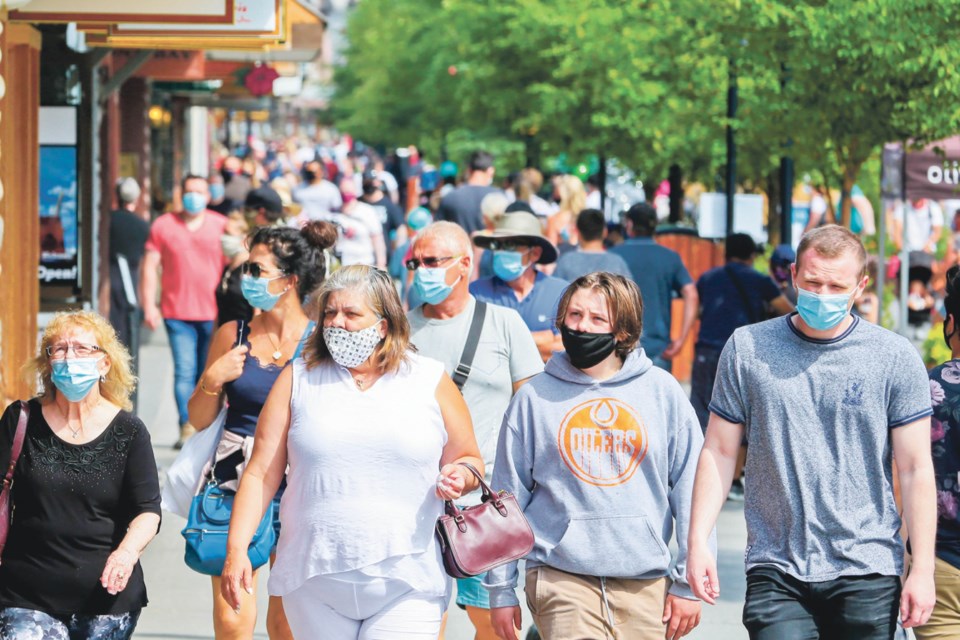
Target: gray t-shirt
x=505, y=354
x=578, y=263
x=818, y=417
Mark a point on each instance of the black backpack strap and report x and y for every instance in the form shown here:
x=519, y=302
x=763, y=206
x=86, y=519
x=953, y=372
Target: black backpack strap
x=462, y=372
x=747, y=305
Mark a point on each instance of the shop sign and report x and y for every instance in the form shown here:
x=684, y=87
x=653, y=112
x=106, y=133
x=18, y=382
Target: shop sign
x=251, y=18
x=59, y=222
x=83, y=11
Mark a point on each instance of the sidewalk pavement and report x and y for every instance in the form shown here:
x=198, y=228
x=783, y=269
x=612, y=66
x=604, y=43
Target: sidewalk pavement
x=181, y=600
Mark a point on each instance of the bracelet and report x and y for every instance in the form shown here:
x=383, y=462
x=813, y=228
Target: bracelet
x=204, y=389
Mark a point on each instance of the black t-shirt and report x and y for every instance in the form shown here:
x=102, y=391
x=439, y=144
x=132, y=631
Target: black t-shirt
x=390, y=214
x=72, y=506
x=128, y=235
x=462, y=205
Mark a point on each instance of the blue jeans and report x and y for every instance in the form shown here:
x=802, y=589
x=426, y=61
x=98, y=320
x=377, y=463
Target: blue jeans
x=781, y=607
x=189, y=342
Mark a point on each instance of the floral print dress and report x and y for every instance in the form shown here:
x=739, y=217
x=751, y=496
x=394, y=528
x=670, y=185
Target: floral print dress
x=945, y=441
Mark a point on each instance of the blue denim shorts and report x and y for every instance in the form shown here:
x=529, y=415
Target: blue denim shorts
x=471, y=593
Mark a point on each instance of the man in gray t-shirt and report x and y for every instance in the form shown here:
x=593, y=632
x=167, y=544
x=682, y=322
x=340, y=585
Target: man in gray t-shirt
x=505, y=358
x=824, y=399
x=590, y=255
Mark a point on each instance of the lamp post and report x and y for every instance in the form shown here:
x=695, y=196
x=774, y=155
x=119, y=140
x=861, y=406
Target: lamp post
x=731, y=144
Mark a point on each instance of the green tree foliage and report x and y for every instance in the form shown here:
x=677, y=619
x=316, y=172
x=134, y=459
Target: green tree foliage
x=646, y=81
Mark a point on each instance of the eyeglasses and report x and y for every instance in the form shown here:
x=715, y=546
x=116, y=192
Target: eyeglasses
x=80, y=350
x=508, y=245
x=255, y=270
x=431, y=263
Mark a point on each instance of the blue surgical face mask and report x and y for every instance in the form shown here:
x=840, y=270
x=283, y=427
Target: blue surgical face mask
x=217, y=191
x=75, y=378
x=822, y=312
x=432, y=284
x=508, y=265
x=194, y=203
x=255, y=292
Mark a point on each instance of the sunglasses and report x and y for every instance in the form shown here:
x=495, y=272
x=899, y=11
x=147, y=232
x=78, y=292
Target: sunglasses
x=255, y=270
x=508, y=245
x=431, y=263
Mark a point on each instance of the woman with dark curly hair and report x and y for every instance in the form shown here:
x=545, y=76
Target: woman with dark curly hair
x=284, y=267
x=86, y=493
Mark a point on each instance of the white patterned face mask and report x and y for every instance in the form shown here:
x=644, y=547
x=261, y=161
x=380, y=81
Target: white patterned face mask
x=351, y=348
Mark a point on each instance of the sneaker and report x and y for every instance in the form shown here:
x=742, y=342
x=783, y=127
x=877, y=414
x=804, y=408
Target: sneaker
x=736, y=491
x=186, y=430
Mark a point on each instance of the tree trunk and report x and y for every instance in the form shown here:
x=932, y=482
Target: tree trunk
x=772, y=187
x=850, y=174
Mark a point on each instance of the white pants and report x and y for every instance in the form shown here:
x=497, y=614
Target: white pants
x=326, y=608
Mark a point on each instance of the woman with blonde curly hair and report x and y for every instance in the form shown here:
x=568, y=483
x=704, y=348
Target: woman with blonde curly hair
x=87, y=497
x=562, y=227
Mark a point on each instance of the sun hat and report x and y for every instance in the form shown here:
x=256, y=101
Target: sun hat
x=520, y=227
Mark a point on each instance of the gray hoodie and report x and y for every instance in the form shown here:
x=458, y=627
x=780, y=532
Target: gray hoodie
x=602, y=470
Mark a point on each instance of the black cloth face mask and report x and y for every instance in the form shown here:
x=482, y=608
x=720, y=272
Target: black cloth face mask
x=587, y=349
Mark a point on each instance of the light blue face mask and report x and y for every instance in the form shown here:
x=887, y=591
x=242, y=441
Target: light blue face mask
x=432, y=284
x=822, y=312
x=217, y=191
x=75, y=378
x=508, y=265
x=255, y=292
x=194, y=203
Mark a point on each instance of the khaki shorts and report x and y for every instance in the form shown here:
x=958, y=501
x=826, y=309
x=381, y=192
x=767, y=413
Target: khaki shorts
x=567, y=606
x=945, y=620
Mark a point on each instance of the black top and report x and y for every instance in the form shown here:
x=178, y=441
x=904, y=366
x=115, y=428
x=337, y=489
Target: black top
x=391, y=216
x=128, y=235
x=231, y=305
x=72, y=505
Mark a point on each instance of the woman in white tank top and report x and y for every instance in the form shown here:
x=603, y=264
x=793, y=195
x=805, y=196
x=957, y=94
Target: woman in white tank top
x=364, y=424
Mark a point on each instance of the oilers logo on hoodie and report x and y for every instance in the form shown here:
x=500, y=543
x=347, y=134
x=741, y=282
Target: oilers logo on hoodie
x=602, y=441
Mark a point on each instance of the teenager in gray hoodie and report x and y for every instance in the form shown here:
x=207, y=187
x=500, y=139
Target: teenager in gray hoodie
x=600, y=451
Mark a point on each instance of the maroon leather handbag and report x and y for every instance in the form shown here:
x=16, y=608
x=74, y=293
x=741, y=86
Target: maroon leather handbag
x=8, y=478
x=475, y=539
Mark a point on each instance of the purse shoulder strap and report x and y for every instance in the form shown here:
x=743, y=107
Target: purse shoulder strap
x=462, y=372
x=18, y=439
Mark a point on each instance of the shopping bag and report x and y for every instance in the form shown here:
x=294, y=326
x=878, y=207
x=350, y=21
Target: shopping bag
x=186, y=474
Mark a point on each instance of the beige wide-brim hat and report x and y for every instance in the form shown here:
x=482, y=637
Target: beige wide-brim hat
x=522, y=227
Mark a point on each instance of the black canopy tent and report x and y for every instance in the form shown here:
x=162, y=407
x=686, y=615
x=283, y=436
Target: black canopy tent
x=931, y=171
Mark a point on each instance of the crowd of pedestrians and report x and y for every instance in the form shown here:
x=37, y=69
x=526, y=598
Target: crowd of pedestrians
x=360, y=359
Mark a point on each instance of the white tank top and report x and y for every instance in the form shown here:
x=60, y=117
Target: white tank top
x=361, y=485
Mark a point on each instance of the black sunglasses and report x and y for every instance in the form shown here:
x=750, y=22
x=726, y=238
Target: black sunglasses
x=431, y=263
x=254, y=270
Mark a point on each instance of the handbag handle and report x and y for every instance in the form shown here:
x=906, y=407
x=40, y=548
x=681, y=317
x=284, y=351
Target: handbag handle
x=488, y=494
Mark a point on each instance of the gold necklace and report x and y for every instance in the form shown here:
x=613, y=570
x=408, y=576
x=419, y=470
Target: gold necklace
x=277, y=353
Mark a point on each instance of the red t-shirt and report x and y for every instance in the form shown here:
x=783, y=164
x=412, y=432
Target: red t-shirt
x=192, y=263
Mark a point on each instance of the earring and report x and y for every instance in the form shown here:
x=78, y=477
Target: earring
x=103, y=379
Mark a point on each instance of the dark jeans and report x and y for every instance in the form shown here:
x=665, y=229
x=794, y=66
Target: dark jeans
x=189, y=342
x=704, y=374
x=781, y=607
